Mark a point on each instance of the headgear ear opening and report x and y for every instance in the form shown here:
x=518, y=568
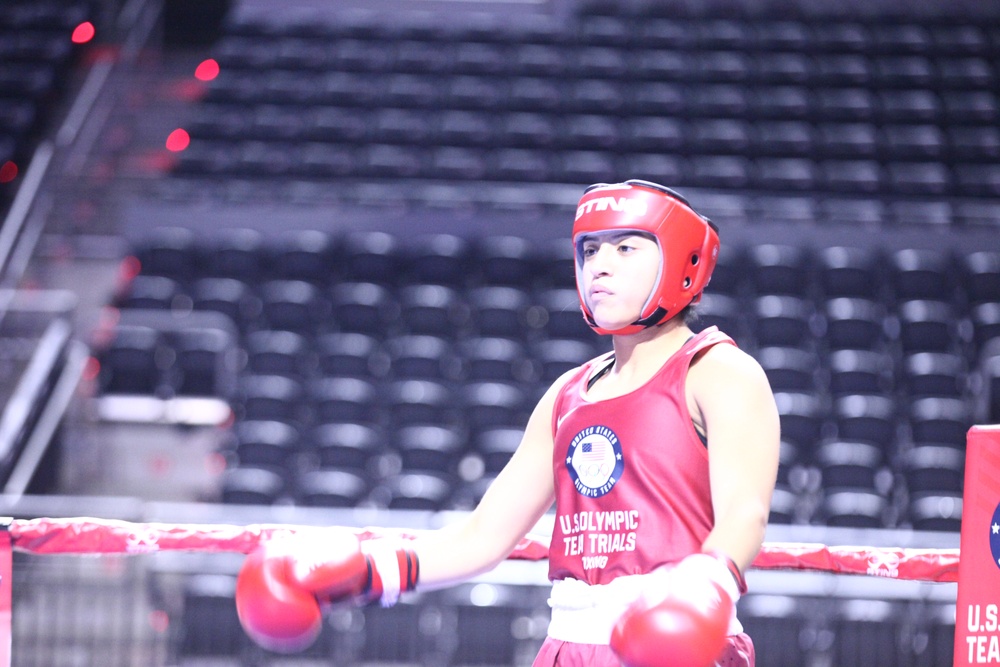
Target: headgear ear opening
x=688, y=241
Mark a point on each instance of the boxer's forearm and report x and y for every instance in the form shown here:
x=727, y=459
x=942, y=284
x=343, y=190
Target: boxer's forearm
x=739, y=532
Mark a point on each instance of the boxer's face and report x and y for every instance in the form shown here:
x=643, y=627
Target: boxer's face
x=618, y=273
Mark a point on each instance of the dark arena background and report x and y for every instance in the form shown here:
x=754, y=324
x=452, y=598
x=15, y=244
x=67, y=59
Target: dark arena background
x=306, y=262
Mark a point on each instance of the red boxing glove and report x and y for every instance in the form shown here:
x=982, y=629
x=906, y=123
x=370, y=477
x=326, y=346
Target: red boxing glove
x=281, y=584
x=688, y=626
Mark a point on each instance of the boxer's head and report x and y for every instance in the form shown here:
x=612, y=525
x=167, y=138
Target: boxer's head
x=688, y=244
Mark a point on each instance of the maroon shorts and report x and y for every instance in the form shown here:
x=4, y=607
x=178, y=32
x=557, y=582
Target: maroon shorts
x=556, y=653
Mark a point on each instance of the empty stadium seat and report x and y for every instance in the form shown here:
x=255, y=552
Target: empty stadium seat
x=330, y=488
x=981, y=276
x=348, y=446
x=438, y=259
x=270, y=397
x=934, y=374
x=986, y=323
x=803, y=417
x=848, y=271
x=936, y=511
x=845, y=464
x=131, y=362
x=779, y=269
x=265, y=443
x=307, y=255
x=789, y=368
x=370, y=257
x=505, y=260
x=854, y=323
x=854, y=509
x=493, y=359
x=237, y=253
x=939, y=419
x=421, y=357
x=151, y=292
x=272, y=352
x=420, y=402
x=343, y=399
x=346, y=354
x=169, y=251
x=778, y=625
x=921, y=274
x=869, y=633
x=204, y=362
x=498, y=310
x=870, y=418
x=927, y=326
x=555, y=356
x=557, y=313
x=210, y=625
x=429, y=448
x=933, y=468
x=860, y=372
x=252, y=485
x=782, y=321
x=493, y=404
x=431, y=309
x=414, y=491
x=293, y=305
x=229, y=296
x=362, y=307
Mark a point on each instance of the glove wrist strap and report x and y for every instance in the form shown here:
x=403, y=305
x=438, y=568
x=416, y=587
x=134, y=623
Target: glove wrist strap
x=741, y=582
x=393, y=569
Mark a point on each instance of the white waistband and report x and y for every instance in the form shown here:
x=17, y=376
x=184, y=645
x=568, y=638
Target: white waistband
x=586, y=614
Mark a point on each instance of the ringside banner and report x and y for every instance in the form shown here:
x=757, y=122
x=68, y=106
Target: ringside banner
x=977, y=620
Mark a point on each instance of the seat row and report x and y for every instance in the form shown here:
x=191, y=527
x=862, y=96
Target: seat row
x=279, y=161
x=323, y=259
x=790, y=27
x=845, y=483
x=542, y=45
x=313, y=314
x=777, y=99
x=722, y=126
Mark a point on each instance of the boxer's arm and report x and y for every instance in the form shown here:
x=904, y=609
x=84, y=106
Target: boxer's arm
x=522, y=492
x=740, y=417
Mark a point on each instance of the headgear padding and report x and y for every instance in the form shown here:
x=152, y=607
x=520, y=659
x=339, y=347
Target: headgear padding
x=688, y=242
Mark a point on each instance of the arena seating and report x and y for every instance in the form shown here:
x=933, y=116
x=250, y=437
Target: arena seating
x=842, y=109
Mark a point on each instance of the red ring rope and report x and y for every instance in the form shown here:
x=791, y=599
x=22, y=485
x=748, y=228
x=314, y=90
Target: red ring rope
x=102, y=536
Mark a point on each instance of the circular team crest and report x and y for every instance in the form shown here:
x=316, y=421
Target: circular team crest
x=594, y=460
x=995, y=536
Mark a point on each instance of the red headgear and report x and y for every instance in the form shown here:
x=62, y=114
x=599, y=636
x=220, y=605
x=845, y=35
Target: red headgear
x=689, y=244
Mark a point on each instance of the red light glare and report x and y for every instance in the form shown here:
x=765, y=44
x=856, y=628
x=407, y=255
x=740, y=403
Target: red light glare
x=129, y=268
x=83, y=33
x=207, y=70
x=92, y=369
x=178, y=140
x=8, y=171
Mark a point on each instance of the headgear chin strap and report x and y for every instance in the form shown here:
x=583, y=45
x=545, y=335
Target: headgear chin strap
x=689, y=244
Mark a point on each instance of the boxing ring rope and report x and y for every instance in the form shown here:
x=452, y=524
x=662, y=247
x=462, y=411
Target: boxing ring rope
x=83, y=536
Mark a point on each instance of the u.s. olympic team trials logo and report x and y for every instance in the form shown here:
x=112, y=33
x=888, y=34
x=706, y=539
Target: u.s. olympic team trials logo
x=995, y=536
x=594, y=460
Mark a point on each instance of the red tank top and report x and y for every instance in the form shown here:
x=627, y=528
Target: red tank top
x=631, y=474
